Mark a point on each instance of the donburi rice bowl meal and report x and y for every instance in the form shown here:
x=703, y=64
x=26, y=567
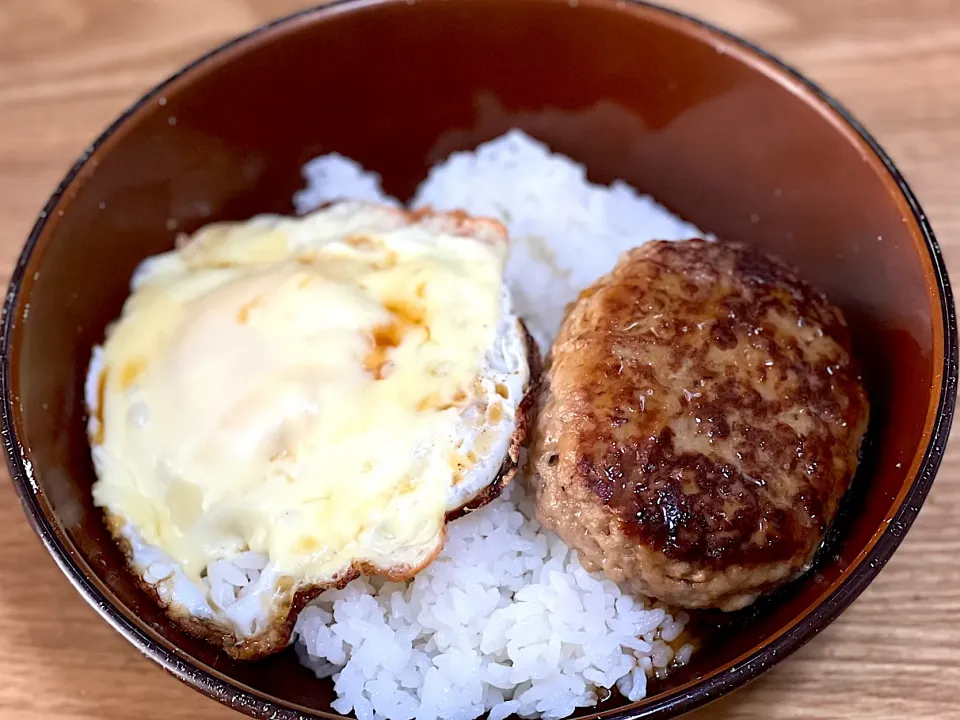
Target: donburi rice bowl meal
x=332, y=433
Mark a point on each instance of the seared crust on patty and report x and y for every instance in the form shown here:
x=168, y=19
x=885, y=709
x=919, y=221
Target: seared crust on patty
x=700, y=420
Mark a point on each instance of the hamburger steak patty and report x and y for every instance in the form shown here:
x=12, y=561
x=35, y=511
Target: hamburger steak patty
x=699, y=423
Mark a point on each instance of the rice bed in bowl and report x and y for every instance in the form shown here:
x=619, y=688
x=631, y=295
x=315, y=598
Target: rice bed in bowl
x=505, y=620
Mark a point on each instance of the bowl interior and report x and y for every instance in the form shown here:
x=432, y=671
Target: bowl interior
x=717, y=134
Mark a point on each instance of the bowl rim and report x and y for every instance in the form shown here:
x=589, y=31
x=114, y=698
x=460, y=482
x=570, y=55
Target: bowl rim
x=692, y=694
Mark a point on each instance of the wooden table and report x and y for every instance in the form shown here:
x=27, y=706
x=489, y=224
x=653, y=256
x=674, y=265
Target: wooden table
x=68, y=67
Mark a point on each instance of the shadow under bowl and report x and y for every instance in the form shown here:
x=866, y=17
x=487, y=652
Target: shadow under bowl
x=719, y=132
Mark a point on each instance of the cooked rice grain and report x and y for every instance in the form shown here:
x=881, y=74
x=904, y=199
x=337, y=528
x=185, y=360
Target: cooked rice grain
x=504, y=621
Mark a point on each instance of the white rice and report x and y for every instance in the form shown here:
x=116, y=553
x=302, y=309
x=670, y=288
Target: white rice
x=505, y=620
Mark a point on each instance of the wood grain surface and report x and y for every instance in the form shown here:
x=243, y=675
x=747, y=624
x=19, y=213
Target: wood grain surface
x=68, y=67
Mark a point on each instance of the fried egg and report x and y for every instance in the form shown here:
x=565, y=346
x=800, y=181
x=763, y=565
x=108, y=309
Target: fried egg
x=286, y=403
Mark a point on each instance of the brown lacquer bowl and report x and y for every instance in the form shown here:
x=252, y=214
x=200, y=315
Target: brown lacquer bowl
x=717, y=130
